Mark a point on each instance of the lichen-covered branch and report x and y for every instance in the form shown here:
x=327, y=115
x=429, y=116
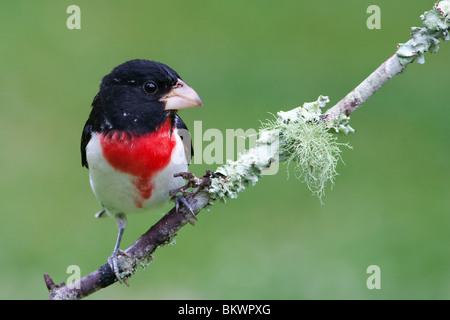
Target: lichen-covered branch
x=303, y=136
x=436, y=26
x=297, y=136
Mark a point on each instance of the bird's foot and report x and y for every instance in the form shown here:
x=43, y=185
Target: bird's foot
x=193, y=181
x=113, y=261
x=180, y=199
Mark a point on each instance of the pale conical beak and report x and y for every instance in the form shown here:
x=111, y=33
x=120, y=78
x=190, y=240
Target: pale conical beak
x=181, y=97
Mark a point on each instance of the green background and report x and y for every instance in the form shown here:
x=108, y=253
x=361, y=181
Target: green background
x=390, y=205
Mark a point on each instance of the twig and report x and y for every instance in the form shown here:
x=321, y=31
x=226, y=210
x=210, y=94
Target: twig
x=390, y=68
x=436, y=26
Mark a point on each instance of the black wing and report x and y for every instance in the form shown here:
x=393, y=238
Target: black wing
x=87, y=131
x=85, y=138
x=186, y=137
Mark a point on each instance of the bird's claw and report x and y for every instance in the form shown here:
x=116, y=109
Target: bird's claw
x=193, y=182
x=180, y=199
x=114, y=264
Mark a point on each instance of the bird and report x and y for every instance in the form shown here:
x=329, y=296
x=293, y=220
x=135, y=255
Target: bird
x=134, y=141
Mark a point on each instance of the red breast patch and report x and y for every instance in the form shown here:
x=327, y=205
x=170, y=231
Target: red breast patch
x=141, y=156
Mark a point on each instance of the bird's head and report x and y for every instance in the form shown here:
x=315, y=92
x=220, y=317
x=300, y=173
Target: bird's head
x=141, y=92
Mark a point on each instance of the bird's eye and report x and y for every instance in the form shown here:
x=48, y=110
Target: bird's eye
x=150, y=87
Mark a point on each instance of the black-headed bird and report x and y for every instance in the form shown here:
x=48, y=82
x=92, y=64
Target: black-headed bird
x=132, y=142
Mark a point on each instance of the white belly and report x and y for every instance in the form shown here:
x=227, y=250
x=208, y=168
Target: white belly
x=117, y=191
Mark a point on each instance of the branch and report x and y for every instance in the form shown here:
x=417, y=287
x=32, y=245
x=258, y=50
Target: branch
x=390, y=68
x=298, y=136
x=436, y=25
x=139, y=253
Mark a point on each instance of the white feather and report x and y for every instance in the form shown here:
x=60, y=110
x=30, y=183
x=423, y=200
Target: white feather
x=115, y=189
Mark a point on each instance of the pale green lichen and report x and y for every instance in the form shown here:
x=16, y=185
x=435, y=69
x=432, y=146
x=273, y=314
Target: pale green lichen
x=297, y=136
x=247, y=169
x=315, y=154
x=436, y=26
x=306, y=142
x=341, y=124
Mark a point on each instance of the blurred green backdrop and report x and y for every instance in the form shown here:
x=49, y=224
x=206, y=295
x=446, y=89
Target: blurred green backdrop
x=390, y=205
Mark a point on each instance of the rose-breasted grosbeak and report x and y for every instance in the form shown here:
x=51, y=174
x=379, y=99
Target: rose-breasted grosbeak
x=132, y=142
